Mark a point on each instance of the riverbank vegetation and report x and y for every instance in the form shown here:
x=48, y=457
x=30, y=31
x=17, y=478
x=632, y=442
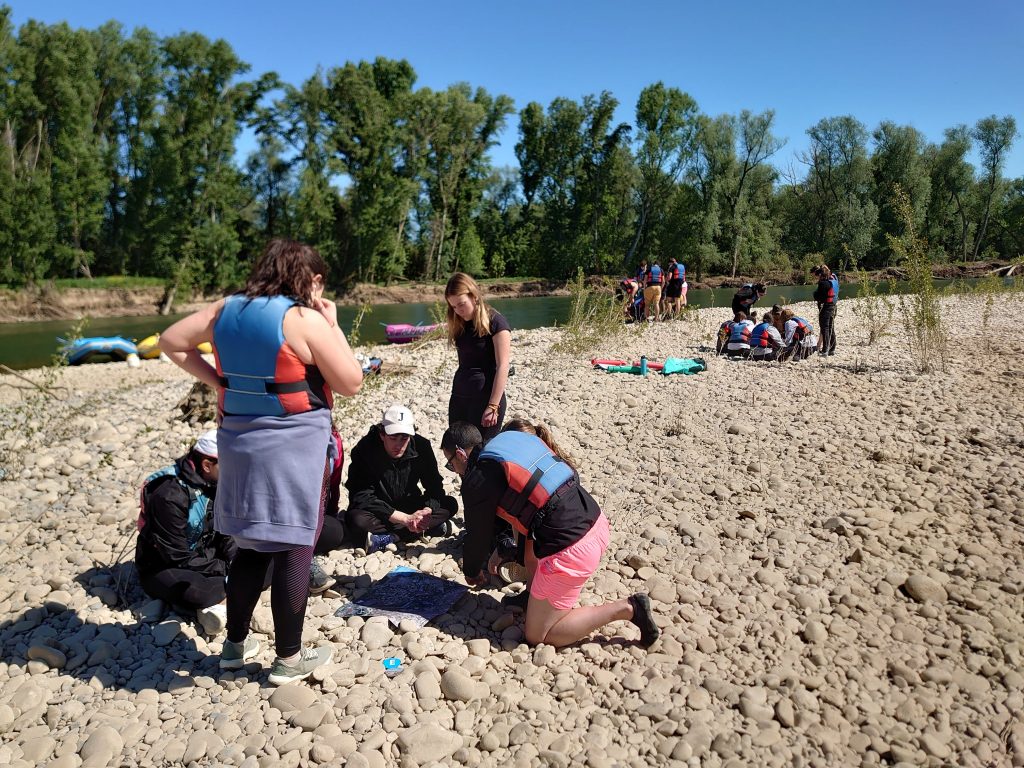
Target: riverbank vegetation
x=118, y=157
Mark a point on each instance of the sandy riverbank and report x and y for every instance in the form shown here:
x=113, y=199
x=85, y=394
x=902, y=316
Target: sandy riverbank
x=833, y=548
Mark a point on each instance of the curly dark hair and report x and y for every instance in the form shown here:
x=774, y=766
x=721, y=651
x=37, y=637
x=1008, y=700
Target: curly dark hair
x=286, y=268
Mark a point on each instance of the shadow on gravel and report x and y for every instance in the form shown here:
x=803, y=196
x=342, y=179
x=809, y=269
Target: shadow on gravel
x=165, y=655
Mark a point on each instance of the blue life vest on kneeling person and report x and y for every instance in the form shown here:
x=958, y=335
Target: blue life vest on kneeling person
x=260, y=373
x=759, y=336
x=198, y=505
x=739, y=333
x=533, y=472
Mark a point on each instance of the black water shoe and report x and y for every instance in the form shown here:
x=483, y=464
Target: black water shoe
x=643, y=617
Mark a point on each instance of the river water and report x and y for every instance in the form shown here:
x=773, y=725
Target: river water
x=33, y=344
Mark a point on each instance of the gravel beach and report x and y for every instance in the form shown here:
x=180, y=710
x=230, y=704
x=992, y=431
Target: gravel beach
x=833, y=549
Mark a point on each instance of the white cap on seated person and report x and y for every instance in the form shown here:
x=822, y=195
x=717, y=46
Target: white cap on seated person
x=397, y=420
x=207, y=444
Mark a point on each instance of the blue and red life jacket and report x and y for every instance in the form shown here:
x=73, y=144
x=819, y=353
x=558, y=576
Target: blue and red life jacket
x=803, y=329
x=654, y=275
x=533, y=472
x=198, y=505
x=739, y=333
x=676, y=271
x=833, y=290
x=759, y=336
x=260, y=373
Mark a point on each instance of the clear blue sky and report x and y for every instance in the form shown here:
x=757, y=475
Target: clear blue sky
x=929, y=63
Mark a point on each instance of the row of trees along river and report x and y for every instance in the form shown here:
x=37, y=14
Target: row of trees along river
x=119, y=157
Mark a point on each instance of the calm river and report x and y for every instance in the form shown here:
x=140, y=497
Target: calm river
x=31, y=345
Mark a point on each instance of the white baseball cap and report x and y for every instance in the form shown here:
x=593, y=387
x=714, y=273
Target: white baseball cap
x=397, y=420
x=207, y=444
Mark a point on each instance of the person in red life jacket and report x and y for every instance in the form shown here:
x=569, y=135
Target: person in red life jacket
x=482, y=337
x=826, y=295
x=279, y=354
x=738, y=343
x=395, y=491
x=747, y=296
x=724, y=331
x=652, y=291
x=180, y=558
x=765, y=339
x=628, y=292
x=676, y=274
x=799, y=339
x=517, y=478
x=508, y=546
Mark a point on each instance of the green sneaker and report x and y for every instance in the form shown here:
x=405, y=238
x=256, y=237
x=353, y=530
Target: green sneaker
x=234, y=655
x=309, y=659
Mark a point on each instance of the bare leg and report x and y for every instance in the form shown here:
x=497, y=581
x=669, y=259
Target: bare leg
x=558, y=627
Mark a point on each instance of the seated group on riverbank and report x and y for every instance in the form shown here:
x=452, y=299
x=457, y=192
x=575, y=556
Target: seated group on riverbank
x=781, y=334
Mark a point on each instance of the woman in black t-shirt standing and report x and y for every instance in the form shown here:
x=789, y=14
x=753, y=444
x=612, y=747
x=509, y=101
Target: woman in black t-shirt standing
x=483, y=339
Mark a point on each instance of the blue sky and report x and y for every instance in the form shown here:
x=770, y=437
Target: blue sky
x=932, y=64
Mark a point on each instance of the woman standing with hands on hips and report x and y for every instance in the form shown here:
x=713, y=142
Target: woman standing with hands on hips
x=483, y=339
x=279, y=354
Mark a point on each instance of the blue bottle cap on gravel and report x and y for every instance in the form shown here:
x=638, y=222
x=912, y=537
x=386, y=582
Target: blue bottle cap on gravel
x=392, y=662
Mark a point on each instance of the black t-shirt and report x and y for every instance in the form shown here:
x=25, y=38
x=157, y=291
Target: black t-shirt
x=477, y=363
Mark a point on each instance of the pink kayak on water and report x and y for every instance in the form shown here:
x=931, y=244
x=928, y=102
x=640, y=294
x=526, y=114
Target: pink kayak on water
x=403, y=333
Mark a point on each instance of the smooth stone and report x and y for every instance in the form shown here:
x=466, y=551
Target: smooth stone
x=288, y=698
x=923, y=588
x=165, y=632
x=53, y=658
x=428, y=743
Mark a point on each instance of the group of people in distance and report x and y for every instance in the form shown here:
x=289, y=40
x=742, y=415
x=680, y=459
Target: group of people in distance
x=253, y=502
x=654, y=293
x=780, y=334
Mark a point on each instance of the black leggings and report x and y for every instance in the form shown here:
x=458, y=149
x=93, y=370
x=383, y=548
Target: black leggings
x=184, y=588
x=363, y=520
x=289, y=588
x=471, y=408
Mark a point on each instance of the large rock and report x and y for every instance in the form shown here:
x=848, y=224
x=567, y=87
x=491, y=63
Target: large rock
x=428, y=743
x=102, y=746
x=923, y=589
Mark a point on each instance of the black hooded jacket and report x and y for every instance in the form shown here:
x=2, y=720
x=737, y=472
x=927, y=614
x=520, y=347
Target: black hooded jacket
x=163, y=540
x=380, y=485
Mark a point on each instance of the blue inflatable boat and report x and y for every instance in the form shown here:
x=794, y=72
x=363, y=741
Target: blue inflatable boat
x=96, y=347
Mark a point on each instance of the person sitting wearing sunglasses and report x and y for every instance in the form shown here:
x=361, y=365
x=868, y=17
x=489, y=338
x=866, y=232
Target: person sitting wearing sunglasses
x=395, y=490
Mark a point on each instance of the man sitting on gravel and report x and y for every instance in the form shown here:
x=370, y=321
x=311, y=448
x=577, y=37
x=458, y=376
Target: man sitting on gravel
x=180, y=558
x=518, y=478
x=389, y=466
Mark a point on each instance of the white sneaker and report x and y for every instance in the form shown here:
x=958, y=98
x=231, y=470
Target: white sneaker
x=213, y=619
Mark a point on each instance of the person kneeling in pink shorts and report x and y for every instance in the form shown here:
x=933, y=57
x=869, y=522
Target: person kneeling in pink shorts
x=517, y=478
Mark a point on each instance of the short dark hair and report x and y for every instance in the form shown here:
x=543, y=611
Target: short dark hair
x=462, y=435
x=760, y=287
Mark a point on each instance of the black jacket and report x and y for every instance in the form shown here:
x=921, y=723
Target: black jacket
x=380, y=485
x=163, y=540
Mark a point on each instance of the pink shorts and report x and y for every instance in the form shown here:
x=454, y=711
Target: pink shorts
x=560, y=577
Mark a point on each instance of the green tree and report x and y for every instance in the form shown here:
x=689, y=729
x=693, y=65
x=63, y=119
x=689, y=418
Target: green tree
x=666, y=123
x=995, y=136
x=576, y=172
x=947, y=221
x=898, y=160
x=365, y=112
x=838, y=190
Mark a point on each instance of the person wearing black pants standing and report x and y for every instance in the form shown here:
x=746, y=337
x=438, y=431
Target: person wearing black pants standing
x=483, y=339
x=826, y=295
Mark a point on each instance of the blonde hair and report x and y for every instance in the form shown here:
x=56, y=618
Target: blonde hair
x=458, y=284
x=541, y=431
x=787, y=315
